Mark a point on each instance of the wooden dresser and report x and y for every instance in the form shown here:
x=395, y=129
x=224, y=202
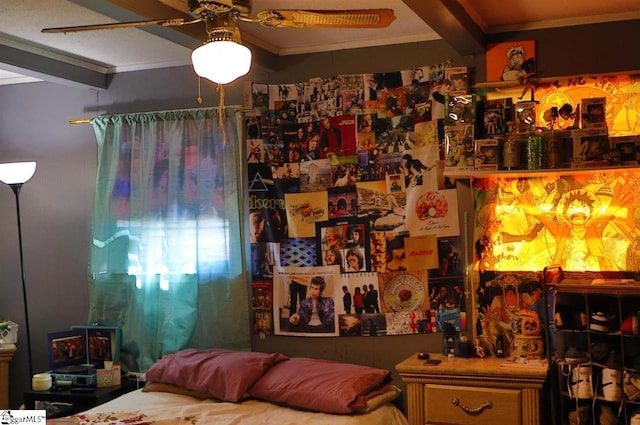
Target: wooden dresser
x=472, y=391
x=6, y=354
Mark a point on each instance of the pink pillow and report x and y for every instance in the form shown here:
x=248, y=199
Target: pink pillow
x=321, y=385
x=225, y=374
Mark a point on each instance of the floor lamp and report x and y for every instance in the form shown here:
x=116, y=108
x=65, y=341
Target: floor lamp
x=15, y=174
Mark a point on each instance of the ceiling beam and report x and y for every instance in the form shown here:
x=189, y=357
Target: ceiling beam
x=30, y=60
x=449, y=19
x=190, y=36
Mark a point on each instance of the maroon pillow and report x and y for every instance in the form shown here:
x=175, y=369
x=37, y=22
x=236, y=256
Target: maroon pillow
x=225, y=374
x=321, y=385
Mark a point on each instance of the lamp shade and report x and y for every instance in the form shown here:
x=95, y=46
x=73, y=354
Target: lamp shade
x=221, y=61
x=17, y=172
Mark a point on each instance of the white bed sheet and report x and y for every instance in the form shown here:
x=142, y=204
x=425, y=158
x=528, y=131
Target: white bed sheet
x=160, y=408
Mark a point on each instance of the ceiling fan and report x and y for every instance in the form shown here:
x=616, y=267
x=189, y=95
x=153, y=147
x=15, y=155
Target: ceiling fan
x=222, y=58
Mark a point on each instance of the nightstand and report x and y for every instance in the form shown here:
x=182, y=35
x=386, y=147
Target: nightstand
x=78, y=401
x=472, y=391
x=6, y=354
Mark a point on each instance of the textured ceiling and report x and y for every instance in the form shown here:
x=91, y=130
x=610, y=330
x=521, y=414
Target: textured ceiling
x=86, y=58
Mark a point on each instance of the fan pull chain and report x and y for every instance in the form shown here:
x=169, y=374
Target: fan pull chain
x=199, y=98
x=221, y=112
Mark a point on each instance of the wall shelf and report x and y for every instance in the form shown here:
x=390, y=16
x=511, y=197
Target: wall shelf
x=469, y=174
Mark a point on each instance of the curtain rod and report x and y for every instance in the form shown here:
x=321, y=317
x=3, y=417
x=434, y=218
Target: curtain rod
x=88, y=120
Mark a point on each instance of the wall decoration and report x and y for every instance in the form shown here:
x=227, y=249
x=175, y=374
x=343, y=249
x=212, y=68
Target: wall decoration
x=511, y=61
x=296, y=290
x=347, y=170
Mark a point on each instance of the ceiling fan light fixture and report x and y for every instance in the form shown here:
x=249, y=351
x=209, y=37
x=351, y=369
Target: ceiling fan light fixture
x=222, y=58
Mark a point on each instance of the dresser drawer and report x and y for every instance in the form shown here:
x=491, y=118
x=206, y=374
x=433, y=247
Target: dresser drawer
x=441, y=406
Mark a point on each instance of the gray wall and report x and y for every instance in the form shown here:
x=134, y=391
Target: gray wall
x=56, y=204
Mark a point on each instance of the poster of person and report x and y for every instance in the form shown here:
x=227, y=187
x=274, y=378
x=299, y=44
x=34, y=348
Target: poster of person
x=403, y=291
x=419, y=166
x=450, y=259
x=344, y=242
x=255, y=150
x=304, y=300
x=432, y=212
x=263, y=258
x=303, y=210
x=511, y=61
x=395, y=251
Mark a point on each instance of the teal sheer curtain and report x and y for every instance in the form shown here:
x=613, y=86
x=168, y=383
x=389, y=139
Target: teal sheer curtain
x=167, y=262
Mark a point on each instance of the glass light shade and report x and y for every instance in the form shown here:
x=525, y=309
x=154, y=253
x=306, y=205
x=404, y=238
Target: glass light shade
x=221, y=61
x=17, y=172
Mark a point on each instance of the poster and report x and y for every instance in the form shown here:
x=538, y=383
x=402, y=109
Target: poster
x=296, y=290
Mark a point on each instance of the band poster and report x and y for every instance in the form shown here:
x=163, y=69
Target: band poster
x=351, y=220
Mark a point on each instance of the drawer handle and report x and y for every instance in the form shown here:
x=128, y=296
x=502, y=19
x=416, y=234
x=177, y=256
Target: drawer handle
x=473, y=412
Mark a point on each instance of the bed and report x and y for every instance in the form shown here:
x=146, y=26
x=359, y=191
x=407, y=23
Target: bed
x=225, y=387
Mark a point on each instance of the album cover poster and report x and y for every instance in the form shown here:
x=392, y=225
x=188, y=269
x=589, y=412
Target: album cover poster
x=366, y=131
x=412, y=322
x=421, y=252
x=342, y=202
x=255, y=150
x=378, y=253
x=282, y=93
x=262, y=306
x=344, y=170
x=296, y=290
x=417, y=94
x=450, y=262
x=403, y=291
x=422, y=112
x=303, y=211
x=385, y=211
x=344, y=242
x=259, y=96
x=426, y=133
x=419, y=166
x=253, y=125
x=446, y=294
x=298, y=252
x=395, y=183
x=267, y=215
x=432, y=212
x=315, y=176
x=264, y=257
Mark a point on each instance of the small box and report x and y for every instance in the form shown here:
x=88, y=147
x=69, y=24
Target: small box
x=591, y=147
x=594, y=112
x=459, y=147
x=487, y=154
x=458, y=77
x=624, y=149
x=525, y=117
x=108, y=377
x=460, y=110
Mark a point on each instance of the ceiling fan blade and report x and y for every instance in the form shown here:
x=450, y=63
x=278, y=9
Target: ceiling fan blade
x=160, y=22
x=356, y=18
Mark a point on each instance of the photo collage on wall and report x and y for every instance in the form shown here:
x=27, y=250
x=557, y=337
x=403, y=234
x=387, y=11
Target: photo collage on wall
x=354, y=230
